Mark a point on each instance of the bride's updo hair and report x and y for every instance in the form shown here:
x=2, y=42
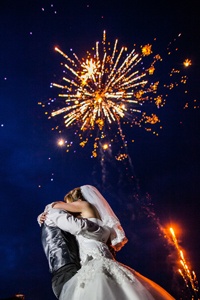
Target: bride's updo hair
x=74, y=195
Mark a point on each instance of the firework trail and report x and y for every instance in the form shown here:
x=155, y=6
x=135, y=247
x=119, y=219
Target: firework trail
x=188, y=276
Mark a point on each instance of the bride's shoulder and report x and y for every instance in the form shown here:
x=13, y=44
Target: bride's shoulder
x=84, y=205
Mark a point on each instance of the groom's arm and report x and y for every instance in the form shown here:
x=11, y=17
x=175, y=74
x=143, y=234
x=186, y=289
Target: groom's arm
x=67, y=222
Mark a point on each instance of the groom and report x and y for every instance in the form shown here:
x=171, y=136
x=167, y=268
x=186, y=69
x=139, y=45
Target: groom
x=60, y=246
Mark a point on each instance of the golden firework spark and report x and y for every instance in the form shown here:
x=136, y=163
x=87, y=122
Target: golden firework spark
x=107, y=89
x=187, y=62
x=146, y=50
x=105, y=146
x=188, y=276
x=122, y=156
x=60, y=142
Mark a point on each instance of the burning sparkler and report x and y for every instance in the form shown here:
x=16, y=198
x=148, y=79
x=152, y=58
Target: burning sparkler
x=188, y=276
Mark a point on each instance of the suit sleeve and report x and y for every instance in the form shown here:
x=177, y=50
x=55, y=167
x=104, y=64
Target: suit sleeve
x=67, y=222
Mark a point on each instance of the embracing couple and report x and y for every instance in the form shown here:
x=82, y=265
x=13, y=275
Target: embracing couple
x=80, y=236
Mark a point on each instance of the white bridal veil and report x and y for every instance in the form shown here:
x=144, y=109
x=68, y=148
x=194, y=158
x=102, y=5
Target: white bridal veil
x=108, y=217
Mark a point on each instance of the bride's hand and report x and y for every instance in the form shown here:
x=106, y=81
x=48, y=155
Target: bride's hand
x=41, y=218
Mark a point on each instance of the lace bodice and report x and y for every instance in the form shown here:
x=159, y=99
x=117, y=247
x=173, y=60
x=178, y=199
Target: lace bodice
x=102, y=277
x=95, y=246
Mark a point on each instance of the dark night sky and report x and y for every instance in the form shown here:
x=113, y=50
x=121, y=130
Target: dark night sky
x=166, y=167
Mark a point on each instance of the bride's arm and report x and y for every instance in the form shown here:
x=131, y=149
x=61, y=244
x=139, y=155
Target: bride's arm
x=76, y=207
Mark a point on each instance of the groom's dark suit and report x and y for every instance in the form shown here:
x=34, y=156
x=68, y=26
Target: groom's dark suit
x=61, y=250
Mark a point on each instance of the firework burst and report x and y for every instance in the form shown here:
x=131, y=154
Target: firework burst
x=105, y=91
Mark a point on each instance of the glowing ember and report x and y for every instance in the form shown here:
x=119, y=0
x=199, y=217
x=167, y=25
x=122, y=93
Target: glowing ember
x=187, y=62
x=61, y=142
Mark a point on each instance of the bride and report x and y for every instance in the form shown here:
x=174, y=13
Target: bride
x=101, y=277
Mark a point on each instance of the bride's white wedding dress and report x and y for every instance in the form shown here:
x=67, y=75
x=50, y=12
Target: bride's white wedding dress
x=101, y=277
